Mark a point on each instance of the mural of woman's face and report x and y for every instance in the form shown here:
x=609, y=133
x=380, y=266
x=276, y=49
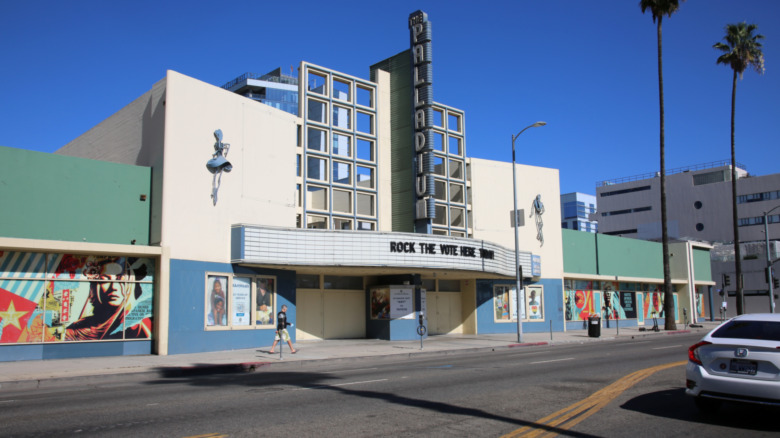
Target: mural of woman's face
x=112, y=292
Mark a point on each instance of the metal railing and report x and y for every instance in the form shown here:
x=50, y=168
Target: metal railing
x=283, y=79
x=651, y=175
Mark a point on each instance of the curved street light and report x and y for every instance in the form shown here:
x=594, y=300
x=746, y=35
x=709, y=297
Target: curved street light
x=518, y=269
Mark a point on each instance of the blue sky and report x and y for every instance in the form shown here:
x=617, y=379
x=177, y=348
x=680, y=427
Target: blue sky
x=586, y=68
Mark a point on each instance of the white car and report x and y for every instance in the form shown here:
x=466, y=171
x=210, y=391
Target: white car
x=738, y=361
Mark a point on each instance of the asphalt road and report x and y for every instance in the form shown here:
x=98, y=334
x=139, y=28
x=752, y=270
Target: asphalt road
x=605, y=389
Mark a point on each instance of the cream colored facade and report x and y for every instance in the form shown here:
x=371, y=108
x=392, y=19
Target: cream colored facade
x=492, y=200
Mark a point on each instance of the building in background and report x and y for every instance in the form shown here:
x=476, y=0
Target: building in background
x=699, y=202
x=578, y=212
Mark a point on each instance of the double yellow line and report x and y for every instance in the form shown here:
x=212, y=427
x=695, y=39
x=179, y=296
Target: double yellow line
x=570, y=416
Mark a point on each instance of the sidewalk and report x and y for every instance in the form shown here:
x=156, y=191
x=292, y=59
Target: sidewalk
x=67, y=372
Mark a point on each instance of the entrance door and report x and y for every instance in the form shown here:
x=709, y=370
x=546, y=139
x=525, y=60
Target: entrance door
x=444, y=313
x=309, y=314
x=331, y=315
x=345, y=315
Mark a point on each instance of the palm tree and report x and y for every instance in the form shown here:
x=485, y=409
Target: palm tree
x=659, y=8
x=741, y=50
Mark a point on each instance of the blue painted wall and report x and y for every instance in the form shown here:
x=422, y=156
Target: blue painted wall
x=187, y=309
x=68, y=350
x=553, y=308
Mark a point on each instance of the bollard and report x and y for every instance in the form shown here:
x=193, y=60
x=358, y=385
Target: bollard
x=551, y=330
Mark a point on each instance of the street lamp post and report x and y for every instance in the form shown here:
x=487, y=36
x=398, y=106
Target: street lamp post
x=769, y=261
x=518, y=271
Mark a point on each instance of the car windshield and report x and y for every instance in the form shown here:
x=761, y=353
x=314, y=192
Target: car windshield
x=740, y=329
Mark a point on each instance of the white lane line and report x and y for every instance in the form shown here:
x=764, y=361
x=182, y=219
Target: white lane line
x=350, y=371
x=7, y=401
x=338, y=384
x=670, y=346
x=554, y=360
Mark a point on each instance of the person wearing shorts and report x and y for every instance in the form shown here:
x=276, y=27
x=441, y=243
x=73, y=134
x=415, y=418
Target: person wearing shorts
x=281, y=330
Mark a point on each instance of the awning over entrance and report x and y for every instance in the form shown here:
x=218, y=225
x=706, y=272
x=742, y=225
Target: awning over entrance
x=306, y=247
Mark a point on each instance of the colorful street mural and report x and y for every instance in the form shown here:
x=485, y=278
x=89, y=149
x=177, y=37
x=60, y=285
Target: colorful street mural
x=66, y=297
x=580, y=300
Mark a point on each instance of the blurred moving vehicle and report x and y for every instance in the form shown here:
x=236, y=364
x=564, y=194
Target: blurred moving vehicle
x=738, y=361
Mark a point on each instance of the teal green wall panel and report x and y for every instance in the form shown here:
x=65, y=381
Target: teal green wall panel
x=702, y=267
x=579, y=252
x=56, y=197
x=629, y=257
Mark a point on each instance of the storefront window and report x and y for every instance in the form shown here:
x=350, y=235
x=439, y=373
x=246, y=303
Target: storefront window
x=70, y=297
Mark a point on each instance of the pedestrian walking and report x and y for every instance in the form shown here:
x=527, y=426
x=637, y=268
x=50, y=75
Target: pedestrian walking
x=281, y=330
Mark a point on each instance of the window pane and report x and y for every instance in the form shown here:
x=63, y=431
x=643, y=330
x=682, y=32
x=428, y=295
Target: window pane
x=342, y=173
x=449, y=286
x=343, y=282
x=341, y=90
x=342, y=117
x=454, y=146
x=341, y=145
x=441, y=190
x=366, y=226
x=342, y=201
x=365, y=177
x=316, y=111
x=306, y=281
x=317, y=140
x=365, y=204
x=457, y=218
x=318, y=222
x=365, y=122
x=441, y=215
x=456, y=193
x=365, y=96
x=438, y=165
x=365, y=149
x=456, y=169
x=316, y=198
x=438, y=118
x=316, y=82
x=438, y=141
x=315, y=169
x=342, y=223
x=453, y=122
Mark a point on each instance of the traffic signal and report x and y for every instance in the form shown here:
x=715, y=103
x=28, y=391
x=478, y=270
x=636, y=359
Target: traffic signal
x=726, y=280
x=776, y=283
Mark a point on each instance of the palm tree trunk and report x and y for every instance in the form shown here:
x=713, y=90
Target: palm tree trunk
x=669, y=323
x=737, y=251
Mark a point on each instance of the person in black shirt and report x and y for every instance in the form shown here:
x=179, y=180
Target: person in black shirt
x=281, y=330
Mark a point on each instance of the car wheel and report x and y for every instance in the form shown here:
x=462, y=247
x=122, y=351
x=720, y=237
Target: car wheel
x=707, y=405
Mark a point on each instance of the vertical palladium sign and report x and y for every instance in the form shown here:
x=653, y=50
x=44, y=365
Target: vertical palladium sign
x=422, y=81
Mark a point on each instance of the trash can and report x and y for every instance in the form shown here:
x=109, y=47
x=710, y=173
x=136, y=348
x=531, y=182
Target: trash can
x=594, y=326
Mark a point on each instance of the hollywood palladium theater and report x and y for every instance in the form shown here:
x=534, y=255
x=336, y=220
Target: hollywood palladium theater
x=183, y=222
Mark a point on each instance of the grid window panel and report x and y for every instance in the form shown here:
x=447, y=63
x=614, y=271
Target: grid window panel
x=316, y=198
x=365, y=149
x=316, y=140
x=317, y=82
x=365, y=177
x=365, y=96
x=316, y=168
x=341, y=89
x=342, y=145
x=317, y=111
x=342, y=173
